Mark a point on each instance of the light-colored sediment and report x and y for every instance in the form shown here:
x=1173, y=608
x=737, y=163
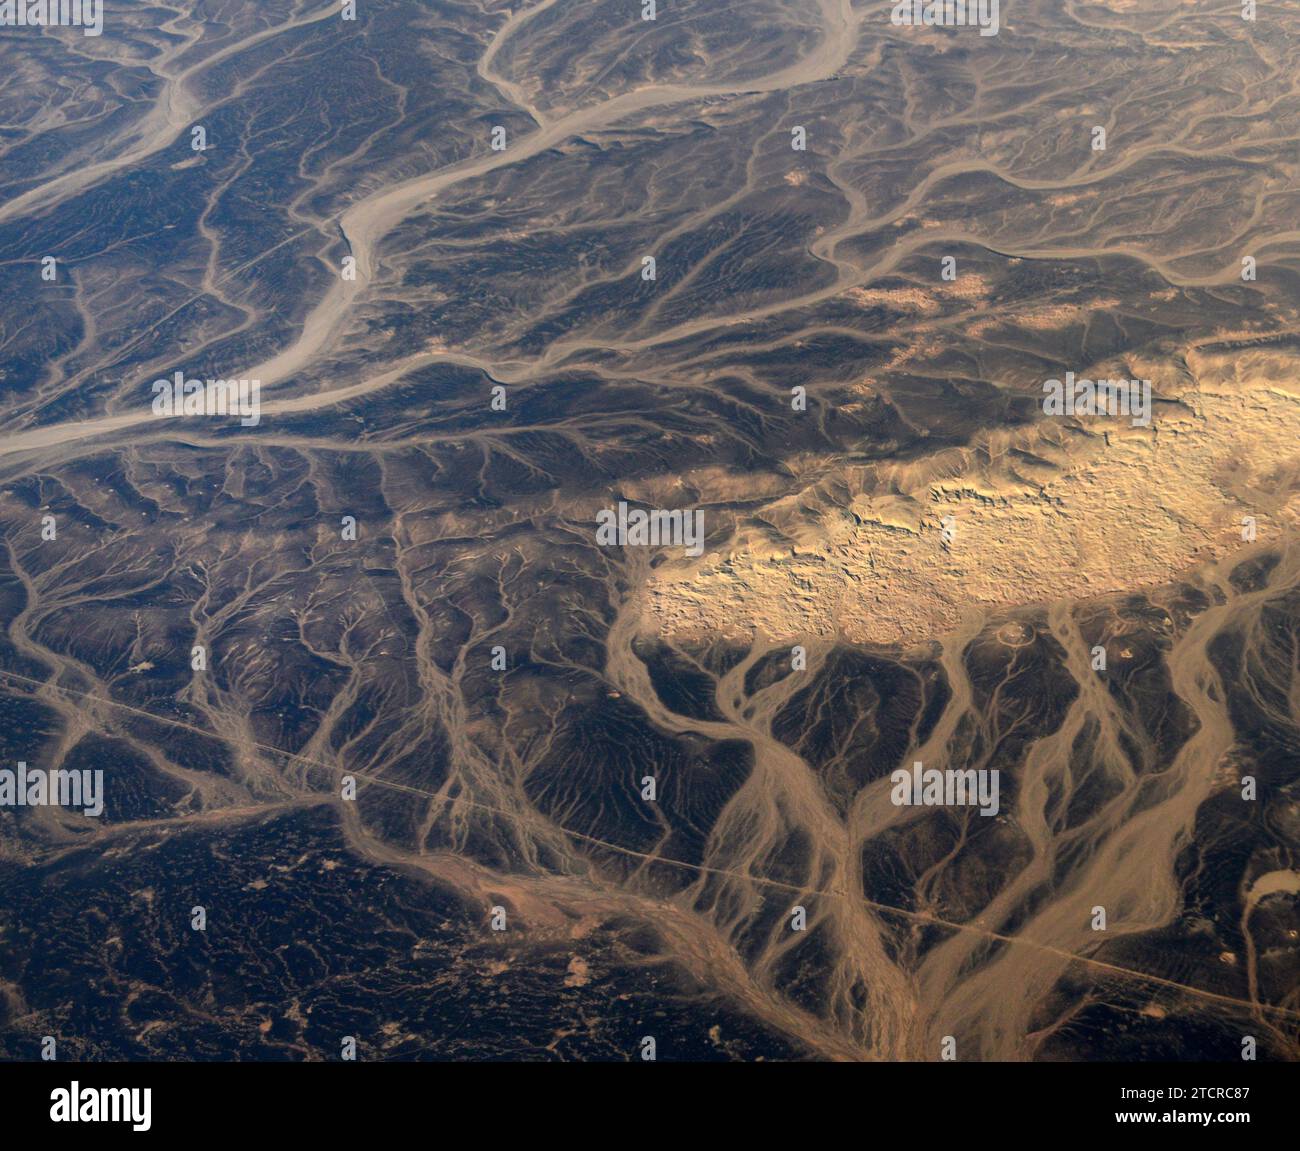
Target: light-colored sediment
x=1066, y=509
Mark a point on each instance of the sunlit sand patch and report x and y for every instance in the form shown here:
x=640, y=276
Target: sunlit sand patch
x=968, y=286
x=1050, y=317
x=1061, y=315
x=578, y=973
x=1057, y=511
x=905, y=299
